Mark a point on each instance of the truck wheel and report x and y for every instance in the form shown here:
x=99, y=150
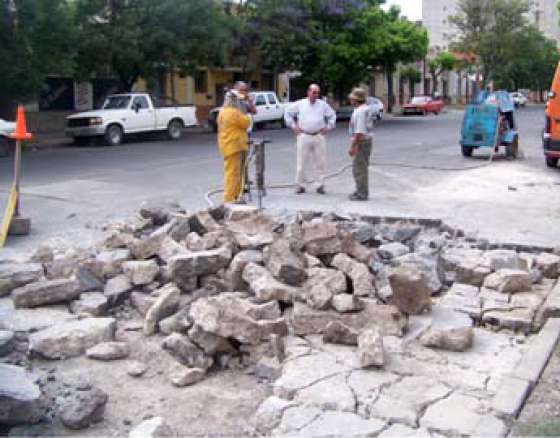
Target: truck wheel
x=114, y=135
x=175, y=129
x=552, y=162
x=467, y=151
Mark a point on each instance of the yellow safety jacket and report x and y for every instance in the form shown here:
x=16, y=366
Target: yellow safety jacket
x=232, y=131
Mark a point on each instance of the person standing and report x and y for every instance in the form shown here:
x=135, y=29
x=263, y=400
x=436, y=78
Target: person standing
x=310, y=119
x=360, y=129
x=233, y=142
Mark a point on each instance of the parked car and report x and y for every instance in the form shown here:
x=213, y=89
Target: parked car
x=130, y=113
x=551, y=134
x=269, y=109
x=6, y=128
x=518, y=98
x=423, y=105
x=377, y=109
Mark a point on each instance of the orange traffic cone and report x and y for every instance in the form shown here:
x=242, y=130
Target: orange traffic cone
x=21, y=133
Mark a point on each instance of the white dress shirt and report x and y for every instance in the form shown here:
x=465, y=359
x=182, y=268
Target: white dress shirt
x=310, y=117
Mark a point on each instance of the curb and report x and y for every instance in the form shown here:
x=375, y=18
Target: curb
x=518, y=386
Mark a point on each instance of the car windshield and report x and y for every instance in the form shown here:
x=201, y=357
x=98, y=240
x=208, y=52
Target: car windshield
x=420, y=99
x=117, y=102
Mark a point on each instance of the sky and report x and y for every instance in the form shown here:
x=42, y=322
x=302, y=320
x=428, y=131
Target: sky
x=411, y=8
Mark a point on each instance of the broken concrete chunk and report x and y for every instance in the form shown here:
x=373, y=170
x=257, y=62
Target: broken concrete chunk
x=370, y=348
x=509, y=281
x=155, y=427
x=209, y=342
x=159, y=211
x=471, y=272
x=14, y=275
x=147, y=247
x=136, y=368
x=549, y=264
x=411, y=293
x=184, y=267
x=502, y=259
x=346, y=303
x=392, y=250
x=449, y=330
x=181, y=377
x=110, y=261
x=141, y=302
x=73, y=338
x=285, y=264
x=228, y=315
x=108, y=351
x=20, y=397
x=91, y=303
x=165, y=305
x=338, y=333
x=362, y=280
x=177, y=323
x=81, y=409
x=181, y=348
x=141, y=272
x=46, y=292
x=265, y=286
x=117, y=289
x=427, y=265
x=235, y=271
x=6, y=342
x=321, y=238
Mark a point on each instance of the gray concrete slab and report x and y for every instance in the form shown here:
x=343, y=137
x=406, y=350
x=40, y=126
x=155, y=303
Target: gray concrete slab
x=511, y=396
x=535, y=359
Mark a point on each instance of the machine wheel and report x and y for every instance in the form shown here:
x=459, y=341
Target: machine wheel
x=512, y=149
x=467, y=151
x=552, y=162
x=114, y=135
x=175, y=130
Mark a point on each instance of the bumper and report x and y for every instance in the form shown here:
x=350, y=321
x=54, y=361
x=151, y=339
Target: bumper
x=85, y=131
x=551, y=147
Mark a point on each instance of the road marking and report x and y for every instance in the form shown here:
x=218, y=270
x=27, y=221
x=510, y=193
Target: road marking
x=10, y=209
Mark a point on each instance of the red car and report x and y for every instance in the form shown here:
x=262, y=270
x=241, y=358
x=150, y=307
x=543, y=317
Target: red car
x=423, y=105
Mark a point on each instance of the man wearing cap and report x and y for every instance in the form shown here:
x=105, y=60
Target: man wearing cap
x=310, y=119
x=360, y=129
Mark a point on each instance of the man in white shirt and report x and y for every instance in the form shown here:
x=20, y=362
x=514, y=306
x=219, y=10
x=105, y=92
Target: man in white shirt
x=360, y=129
x=310, y=119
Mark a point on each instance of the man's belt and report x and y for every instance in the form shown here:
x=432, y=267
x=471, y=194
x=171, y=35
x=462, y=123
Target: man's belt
x=312, y=133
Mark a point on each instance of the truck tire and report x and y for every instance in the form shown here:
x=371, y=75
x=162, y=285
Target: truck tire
x=552, y=162
x=175, y=129
x=467, y=151
x=114, y=135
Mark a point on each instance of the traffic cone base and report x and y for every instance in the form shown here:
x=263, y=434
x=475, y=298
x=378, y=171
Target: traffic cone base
x=21, y=133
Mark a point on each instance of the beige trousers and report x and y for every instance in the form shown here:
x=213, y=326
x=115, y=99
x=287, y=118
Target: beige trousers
x=311, y=153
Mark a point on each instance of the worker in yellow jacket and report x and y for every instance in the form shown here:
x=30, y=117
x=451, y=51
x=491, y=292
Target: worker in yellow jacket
x=234, y=143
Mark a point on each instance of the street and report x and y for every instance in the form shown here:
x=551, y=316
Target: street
x=70, y=192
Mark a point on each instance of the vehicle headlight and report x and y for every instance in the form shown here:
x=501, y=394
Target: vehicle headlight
x=96, y=121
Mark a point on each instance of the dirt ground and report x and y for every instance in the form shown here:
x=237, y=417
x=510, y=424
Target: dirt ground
x=541, y=414
x=222, y=404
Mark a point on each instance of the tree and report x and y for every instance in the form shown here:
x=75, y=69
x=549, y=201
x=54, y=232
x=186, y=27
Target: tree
x=443, y=62
x=402, y=42
x=412, y=75
x=144, y=38
x=36, y=39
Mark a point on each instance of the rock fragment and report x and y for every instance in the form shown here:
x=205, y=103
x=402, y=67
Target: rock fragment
x=155, y=427
x=141, y=272
x=91, y=303
x=20, y=397
x=370, y=348
x=338, y=333
x=81, y=409
x=549, y=264
x=509, y=281
x=46, y=292
x=136, y=368
x=362, y=280
x=265, y=286
x=165, y=305
x=117, y=289
x=411, y=293
x=14, y=275
x=449, y=330
x=181, y=377
x=187, y=353
x=346, y=303
x=107, y=351
x=284, y=264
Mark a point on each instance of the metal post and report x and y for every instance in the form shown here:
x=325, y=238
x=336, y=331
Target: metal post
x=17, y=174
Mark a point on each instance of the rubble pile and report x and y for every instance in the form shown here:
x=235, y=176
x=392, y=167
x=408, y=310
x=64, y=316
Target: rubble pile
x=223, y=288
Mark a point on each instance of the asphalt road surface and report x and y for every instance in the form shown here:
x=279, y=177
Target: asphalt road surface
x=70, y=192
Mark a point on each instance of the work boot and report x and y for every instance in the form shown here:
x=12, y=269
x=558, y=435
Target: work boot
x=300, y=190
x=321, y=190
x=356, y=197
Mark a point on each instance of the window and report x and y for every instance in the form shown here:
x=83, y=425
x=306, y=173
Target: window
x=260, y=101
x=201, y=82
x=117, y=102
x=271, y=99
x=140, y=102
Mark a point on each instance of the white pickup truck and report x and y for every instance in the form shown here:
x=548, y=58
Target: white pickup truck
x=269, y=109
x=6, y=128
x=130, y=113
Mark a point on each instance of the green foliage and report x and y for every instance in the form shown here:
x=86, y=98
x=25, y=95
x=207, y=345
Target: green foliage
x=132, y=38
x=35, y=40
x=443, y=62
x=540, y=429
x=511, y=52
x=411, y=74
